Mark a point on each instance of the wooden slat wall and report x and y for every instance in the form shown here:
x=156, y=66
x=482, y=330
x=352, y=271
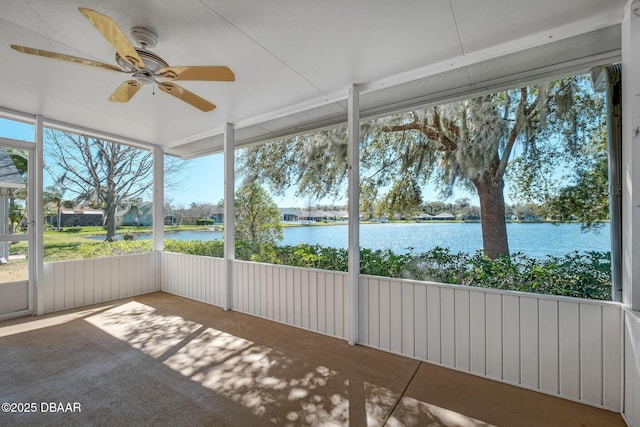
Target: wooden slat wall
x=631, y=410
x=195, y=277
x=561, y=346
x=310, y=299
x=69, y=284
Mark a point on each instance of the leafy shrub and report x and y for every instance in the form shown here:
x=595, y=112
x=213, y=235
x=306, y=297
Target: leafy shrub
x=106, y=249
x=436, y=265
x=383, y=262
x=212, y=248
x=581, y=275
x=203, y=221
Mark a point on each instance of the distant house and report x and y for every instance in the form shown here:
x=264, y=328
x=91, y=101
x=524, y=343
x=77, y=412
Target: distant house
x=338, y=215
x=79, y=216
x=423, y=217
x=314, y=215
x=136, y=215
x=216, y=214
x=444, y=216
x=289, y=214
x=311, y=215
x=171, y=220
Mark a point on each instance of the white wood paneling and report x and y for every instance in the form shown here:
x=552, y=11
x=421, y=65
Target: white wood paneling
x=462, y=330
x=433, y=324
x=408, y=320
x=447, y=327
x=569, y=338
x=511, y=338
x=591, y=353
x=385, y=315
x=529, y=342
x=494, y=335
x=631, y=410
x=477, y=339
x=195, y=277
x=395, y=324
x=305, y=298
x=612, y=339
x=420, y=321
x=69, y=284
x=373, y=323
x=562, y=346
x=548, y=352
x=557, y=345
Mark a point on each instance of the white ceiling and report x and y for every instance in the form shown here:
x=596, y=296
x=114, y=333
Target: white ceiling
x=293, y=59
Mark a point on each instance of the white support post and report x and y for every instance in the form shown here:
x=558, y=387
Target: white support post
x=158, y=199
x=631, y=156
x=38, y=220
x=353, y=131
x=229, y=214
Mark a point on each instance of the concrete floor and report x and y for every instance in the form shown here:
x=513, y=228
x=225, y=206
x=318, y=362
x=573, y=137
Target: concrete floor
x=159, y=359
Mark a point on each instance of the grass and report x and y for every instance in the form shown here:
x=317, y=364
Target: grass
x=65, y=244
x=14, y=271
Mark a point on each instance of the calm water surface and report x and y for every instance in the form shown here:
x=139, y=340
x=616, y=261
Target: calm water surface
x=536, y=240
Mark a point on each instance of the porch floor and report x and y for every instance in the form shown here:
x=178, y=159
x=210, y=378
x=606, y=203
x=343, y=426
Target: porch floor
x=159, y=359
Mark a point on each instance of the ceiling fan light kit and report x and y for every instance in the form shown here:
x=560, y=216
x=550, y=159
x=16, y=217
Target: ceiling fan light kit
x=144, y=66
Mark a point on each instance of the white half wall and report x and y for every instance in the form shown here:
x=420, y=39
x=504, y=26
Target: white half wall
x=195, y=277
x=568, y=347
x=560, y=346
x=310, y=299
x=631, y=411
x=70, y=284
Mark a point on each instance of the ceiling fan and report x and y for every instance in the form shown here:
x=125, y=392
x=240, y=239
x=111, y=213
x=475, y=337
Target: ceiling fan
x=144, y=66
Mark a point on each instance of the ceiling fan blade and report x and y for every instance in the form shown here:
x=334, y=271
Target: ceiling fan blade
x=125, y=91
x=114, y=35
x=186, y=96
x=202, y=73
x=55, y=55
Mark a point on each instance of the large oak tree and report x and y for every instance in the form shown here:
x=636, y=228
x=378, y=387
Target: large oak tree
x=471, y=143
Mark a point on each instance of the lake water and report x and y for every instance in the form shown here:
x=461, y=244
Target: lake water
x=533, y=239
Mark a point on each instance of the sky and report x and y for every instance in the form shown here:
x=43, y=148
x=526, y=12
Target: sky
x=203, y=180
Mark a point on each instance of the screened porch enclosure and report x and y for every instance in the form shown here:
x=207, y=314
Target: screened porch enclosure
x=162, y=359
x=539, y=347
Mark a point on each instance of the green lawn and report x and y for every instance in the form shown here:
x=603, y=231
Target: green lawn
x=65, y=244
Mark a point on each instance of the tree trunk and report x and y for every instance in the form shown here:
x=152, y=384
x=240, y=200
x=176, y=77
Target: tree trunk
x=111, y=222
x=494, y=226
x=59, y=216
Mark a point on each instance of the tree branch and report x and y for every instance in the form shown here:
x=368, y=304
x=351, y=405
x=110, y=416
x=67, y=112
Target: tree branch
x=432, y=133
x=515, y=131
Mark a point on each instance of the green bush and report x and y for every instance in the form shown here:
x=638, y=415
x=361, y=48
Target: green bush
x=581, y=275
x=106, y=249
x=212, y=248
x=205, y=221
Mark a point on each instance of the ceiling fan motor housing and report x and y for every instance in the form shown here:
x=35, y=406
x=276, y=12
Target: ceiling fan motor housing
x=145, y=38
x=152, y=62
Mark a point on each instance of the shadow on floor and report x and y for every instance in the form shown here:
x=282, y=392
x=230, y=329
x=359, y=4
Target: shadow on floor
x=159, y=359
